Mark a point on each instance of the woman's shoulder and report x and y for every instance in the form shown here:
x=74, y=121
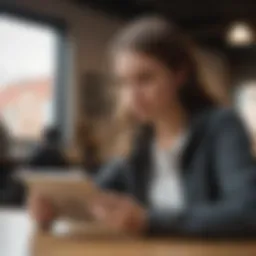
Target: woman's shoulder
x=220, y=117
x=224, y=121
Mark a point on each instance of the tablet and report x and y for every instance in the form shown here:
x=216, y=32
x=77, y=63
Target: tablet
x=69, y=191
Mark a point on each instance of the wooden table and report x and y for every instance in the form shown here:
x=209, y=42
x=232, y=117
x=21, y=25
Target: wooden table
x=18, y=238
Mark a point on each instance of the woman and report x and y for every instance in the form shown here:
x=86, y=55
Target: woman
x=190, y=171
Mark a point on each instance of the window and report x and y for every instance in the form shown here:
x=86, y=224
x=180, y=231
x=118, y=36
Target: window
x=27, y=64
x=32, y=61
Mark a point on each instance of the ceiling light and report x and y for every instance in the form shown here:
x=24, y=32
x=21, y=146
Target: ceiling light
x=240, y=34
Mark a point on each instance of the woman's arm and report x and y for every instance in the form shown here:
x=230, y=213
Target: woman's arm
x=112, y=176
x=236, y=172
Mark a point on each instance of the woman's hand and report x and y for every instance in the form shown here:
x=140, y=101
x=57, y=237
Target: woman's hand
x=41, y=209
x=121, y=213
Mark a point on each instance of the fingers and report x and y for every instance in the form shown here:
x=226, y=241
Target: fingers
x=41, y=209
x=105, y=202
x=119, y=213
x=113, y=210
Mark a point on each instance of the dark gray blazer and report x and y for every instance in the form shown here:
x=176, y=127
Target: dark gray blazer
x=219, y=176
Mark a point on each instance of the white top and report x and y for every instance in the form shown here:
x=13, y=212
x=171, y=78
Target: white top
x=166, y=190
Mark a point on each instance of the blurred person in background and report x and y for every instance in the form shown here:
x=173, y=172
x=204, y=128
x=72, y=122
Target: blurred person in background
x=11, y=191
x=4, y=141
x=50, y=153
x=186, y=168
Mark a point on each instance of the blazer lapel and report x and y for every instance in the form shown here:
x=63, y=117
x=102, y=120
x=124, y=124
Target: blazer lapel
x=197, y=127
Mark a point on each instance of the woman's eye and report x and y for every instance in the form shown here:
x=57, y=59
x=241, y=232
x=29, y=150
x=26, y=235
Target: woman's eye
x=140, y=79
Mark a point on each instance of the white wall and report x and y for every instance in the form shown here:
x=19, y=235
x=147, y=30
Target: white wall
x=89, y=32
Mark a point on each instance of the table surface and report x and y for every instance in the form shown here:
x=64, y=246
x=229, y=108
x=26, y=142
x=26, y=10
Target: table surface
x=18, y=237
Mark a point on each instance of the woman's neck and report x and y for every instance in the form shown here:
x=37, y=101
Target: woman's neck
x=169, y=125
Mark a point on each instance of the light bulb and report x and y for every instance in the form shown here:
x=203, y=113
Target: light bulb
x=240, y=34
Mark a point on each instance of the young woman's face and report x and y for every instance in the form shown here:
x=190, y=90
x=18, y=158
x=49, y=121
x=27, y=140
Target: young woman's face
x=148, y=86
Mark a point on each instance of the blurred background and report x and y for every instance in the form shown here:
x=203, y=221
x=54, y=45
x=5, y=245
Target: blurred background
x=55, y=92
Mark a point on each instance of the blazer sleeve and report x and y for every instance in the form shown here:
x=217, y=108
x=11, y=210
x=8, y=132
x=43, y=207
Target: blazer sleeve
x=235, y=213
x=112, y=176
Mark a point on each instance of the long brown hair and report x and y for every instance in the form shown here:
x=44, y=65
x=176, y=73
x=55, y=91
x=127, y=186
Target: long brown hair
x=162, y=40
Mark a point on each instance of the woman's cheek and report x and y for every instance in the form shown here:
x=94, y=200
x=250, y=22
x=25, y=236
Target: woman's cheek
x=160, y=98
